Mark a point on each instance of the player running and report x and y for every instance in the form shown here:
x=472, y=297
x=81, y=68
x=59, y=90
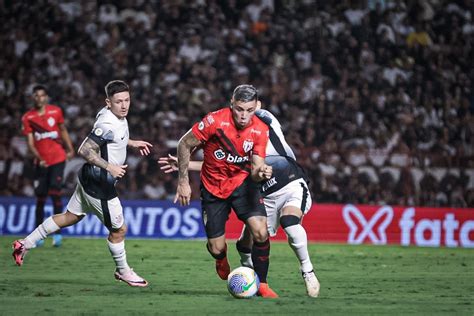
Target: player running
x=286, y=198
x=105, y=150
x=234, y=142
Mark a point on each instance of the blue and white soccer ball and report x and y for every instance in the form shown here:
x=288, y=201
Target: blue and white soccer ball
x=243, y=282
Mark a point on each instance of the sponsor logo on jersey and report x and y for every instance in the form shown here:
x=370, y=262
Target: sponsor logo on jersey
x=248, y=145
x=269, y=184
x=210, y=119
x=52, y=135
x=255, y=131
x=220, y=154
x=225, y=123
x=51, y=121
x=201, y=126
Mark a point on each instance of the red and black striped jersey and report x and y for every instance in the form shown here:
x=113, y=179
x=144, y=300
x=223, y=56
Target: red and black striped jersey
x=46, y=133
x=228, y=151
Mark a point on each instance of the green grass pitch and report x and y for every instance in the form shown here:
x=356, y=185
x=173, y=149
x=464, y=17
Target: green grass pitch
x=78, y=279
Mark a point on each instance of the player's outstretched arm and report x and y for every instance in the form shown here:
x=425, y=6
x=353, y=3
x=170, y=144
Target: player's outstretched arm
x=170, y=164
x=185, y=145
x=260, y=170
x=89, y=150
x=141, y=145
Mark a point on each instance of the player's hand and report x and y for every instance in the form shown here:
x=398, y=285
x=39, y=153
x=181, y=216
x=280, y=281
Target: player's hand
x=168, y=164
x=143, y=146
x=265, y=172
x=70, y=154
x=117, y=171
x=183, y=193
x=42, y=163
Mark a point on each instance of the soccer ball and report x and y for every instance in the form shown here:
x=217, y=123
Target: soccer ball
x=243, y=282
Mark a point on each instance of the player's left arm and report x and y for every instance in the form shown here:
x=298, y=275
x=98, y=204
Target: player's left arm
x=141, y=145
x=260, y=171
x=66, y=140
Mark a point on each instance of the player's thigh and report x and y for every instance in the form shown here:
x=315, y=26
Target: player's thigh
x=215, y=213
x=247, y=201
x=55, y=176
x=109, y=212
x=273, y=215
x=297, y=197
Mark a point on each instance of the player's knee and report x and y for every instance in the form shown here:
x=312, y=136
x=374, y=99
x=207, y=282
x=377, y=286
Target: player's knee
x=260, y=235
x=289, y=220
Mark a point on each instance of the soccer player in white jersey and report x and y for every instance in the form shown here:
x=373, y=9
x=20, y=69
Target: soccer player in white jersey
x=286, y=198
x=105, y=151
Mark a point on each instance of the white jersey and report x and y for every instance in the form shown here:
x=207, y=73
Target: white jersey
x=279, y=155
x=111, y=134
x=115, y=131
x=277, y=146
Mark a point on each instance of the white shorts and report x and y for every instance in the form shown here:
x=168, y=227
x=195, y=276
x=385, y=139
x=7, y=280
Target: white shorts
x=295, y=193
x=81, y=203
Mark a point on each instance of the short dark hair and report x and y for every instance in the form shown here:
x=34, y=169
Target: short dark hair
x=115, y=86
x=245, y=93
x=39, y=87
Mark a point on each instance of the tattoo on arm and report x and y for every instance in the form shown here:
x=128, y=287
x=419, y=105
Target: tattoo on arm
x=186, y=143
x=89, y=150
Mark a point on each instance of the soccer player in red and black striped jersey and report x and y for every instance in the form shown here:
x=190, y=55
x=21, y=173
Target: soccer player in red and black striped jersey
x=49, y=142
x=234, y=142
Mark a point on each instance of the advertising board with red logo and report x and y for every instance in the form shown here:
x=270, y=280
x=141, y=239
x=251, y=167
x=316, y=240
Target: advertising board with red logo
x=380, y=225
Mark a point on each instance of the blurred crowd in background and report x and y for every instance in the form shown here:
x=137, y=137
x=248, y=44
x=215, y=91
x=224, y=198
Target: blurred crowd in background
x=375, y=97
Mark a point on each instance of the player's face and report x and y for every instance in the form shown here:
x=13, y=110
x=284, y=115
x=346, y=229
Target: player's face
x=41, y=98
x=119, y=104
x=242, y=112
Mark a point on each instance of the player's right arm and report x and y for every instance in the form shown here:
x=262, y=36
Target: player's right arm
x=170, y=164
x=90, y=151
x=185, y=146
x=31, y=146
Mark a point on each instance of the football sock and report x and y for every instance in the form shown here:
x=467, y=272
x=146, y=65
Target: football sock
x=245, y=255
x=298, y=240
x=49, y=226
x=57, y=205
x=260, y=259
x=39, y=213
x=220, y=256
x=119, y=255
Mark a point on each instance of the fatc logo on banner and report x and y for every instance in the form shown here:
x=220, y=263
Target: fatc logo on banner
x=431, y=227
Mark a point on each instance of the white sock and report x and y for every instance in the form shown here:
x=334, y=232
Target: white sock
x=298, y=241
x=119, y=255
x=48, y=227
x=246, y=259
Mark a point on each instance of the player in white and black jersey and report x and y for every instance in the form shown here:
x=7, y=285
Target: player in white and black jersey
x=286, y=197
x=105, y=151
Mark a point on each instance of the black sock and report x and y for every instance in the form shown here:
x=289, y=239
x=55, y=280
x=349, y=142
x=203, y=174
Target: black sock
x=241, y=248
x=57, y=206
x=39, y=213
x=220, y=256
x=261, y=259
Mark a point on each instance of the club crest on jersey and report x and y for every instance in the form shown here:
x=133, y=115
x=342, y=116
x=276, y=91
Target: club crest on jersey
x=248, y=145
x=201, y=126
x=98, y=131
x=51, y=121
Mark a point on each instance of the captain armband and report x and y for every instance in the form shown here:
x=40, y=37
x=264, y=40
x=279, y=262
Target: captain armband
x=101, y=137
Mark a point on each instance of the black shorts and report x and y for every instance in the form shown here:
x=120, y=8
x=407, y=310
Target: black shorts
x=246, y=201
x=49, y=178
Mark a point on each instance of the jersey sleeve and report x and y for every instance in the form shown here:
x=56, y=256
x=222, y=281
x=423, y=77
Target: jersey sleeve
x=260, y=145
x=60, y=116
x=205, y=129
x=25, y=126
x=102, y=133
